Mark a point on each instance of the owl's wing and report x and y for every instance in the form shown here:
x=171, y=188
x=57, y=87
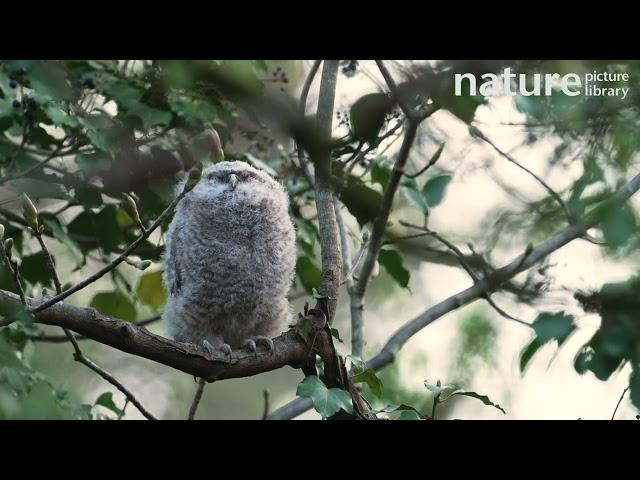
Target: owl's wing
x=174, y=263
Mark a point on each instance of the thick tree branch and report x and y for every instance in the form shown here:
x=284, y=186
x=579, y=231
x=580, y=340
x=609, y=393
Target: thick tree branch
x=331, y=262
x=289, y=348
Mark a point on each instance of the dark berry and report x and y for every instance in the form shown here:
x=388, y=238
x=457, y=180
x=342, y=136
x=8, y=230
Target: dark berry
x=13, y=84
x=31, y=103
x=21, y=71
x=89, y=83
x=16, y=104
x=637, y=417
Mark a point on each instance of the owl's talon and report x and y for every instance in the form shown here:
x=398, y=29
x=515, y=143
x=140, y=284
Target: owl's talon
x=208, y=347
x=266, y=341
x=212, y=351
x=251, y=345
x=225, y=348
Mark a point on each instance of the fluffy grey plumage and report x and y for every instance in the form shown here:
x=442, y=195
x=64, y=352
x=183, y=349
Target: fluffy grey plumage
x=230, y=259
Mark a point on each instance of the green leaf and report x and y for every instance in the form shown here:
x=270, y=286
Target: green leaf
x=103, y=226
x=308, y=273
x=336, y=334
x=392, y=263
x=370, y=378
x=528, y=353
x=39, y=189
x=435, y=189
x=380, y=174
x=326, y=401
x=114, y=304
x=361, y=201
x=106, y=400
x=357, y=362
x=92, y=163
x=150, y=290
x=150, y=116
x=417, y=198
x=15, y=313
x=553, y=326
x=547, y=327
x=483, y=398
x=367, y=115
x=49, y=78
x=60, y=234
x=410, y=415
x=619, y=225
x=603, y=365
x=33, y=269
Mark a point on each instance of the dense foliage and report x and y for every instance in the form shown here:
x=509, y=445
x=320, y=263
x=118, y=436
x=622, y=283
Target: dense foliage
x=98, y=147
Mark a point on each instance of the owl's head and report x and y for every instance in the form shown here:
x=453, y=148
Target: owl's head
x=237, y=181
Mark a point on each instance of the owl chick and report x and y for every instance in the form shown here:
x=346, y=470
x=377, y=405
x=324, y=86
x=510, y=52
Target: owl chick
x=229, y=260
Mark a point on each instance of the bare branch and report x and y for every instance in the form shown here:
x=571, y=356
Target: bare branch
x=15, y=275
x=331, y=262
x=113, y=381
x=303, y=107
x=477, y=133
x=521, y=263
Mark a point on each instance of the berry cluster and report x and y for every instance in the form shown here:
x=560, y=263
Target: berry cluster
x=280, y=76
x=343, y=118
x=349, y=67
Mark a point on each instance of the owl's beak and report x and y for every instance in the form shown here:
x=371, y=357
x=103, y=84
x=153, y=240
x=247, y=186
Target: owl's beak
x=233, y=180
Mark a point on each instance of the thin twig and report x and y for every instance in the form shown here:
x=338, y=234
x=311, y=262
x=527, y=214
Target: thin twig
x=624, y=392
x=118, y=260
x=356, y=260
x=303, y=107
x=463, y=263
x=124, y=408
x=11, y=162
x=15, y=275
x=78, y=355
x=546, y=186
x=406, y=237
x=196, y=399
x=431, y=163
